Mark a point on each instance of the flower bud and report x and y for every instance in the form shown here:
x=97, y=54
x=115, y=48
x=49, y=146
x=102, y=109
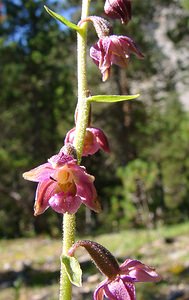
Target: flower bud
x=69, y=149
x=118, y=9
x=102, y=258
x=102, y=26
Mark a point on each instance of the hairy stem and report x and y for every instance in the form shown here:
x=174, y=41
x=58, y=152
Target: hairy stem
x=82, y=106
x=82, y=122
x=68, y=241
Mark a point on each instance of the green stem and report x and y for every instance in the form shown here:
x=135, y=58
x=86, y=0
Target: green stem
x=68, y=240
x=82, y=121
x=83, y=106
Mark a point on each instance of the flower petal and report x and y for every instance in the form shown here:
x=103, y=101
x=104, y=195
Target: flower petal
x=91, y=145
x=129, y=46
x=40, y=173
x=70, y=136
x=139, y=271
x=119, y=290
x=100, y=138
x=44, y=192
x=62, y=203
x=99, y=292
x=99, y=52
x=85, y=188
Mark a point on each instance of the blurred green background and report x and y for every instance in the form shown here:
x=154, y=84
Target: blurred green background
x=143, y=184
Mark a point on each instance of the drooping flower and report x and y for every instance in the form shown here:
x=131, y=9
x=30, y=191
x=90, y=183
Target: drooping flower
x=95, y=139
x=63, y=185
x=120, y=281
x=111, y=50
x=122, y=286
x=118, y=9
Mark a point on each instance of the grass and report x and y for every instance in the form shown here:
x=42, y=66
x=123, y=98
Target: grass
x=35, y=261
x=130, y=241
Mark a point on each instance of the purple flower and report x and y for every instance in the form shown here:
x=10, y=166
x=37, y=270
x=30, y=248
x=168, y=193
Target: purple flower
x=95, y=139
x=63, y=185
x=113, y=49
x=118, y=9
x=121, y=287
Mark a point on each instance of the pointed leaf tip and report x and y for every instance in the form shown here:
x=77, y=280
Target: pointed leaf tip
x=112, y=98
x=62, y=19
x=73, y=270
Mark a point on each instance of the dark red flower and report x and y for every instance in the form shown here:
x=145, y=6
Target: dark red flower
x=118, y=9
x=111, y=50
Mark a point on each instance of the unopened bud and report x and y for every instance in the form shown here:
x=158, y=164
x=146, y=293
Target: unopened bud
x=69, y=149
x=102, y=26
x=102, y=258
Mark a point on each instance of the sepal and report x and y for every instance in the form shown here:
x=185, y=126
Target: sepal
x=62, y=19
x=73, y=270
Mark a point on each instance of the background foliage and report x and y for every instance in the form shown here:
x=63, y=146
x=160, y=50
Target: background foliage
x=144, y=182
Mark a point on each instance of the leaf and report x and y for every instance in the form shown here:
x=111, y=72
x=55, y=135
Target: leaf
x=112, y=98
x=62, y=19
x=73, y=269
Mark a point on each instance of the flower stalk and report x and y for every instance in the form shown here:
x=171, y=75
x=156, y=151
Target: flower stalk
x=83, y=107
x=68, y=240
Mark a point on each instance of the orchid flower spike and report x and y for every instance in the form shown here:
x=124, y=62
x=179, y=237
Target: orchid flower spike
x=63, y=185
x=119, y=284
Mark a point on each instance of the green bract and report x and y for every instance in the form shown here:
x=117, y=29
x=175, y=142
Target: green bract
x=73, y=269
x=112, y=98
x=62, y=19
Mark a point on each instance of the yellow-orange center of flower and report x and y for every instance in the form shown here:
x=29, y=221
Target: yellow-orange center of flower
x=65, y=180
